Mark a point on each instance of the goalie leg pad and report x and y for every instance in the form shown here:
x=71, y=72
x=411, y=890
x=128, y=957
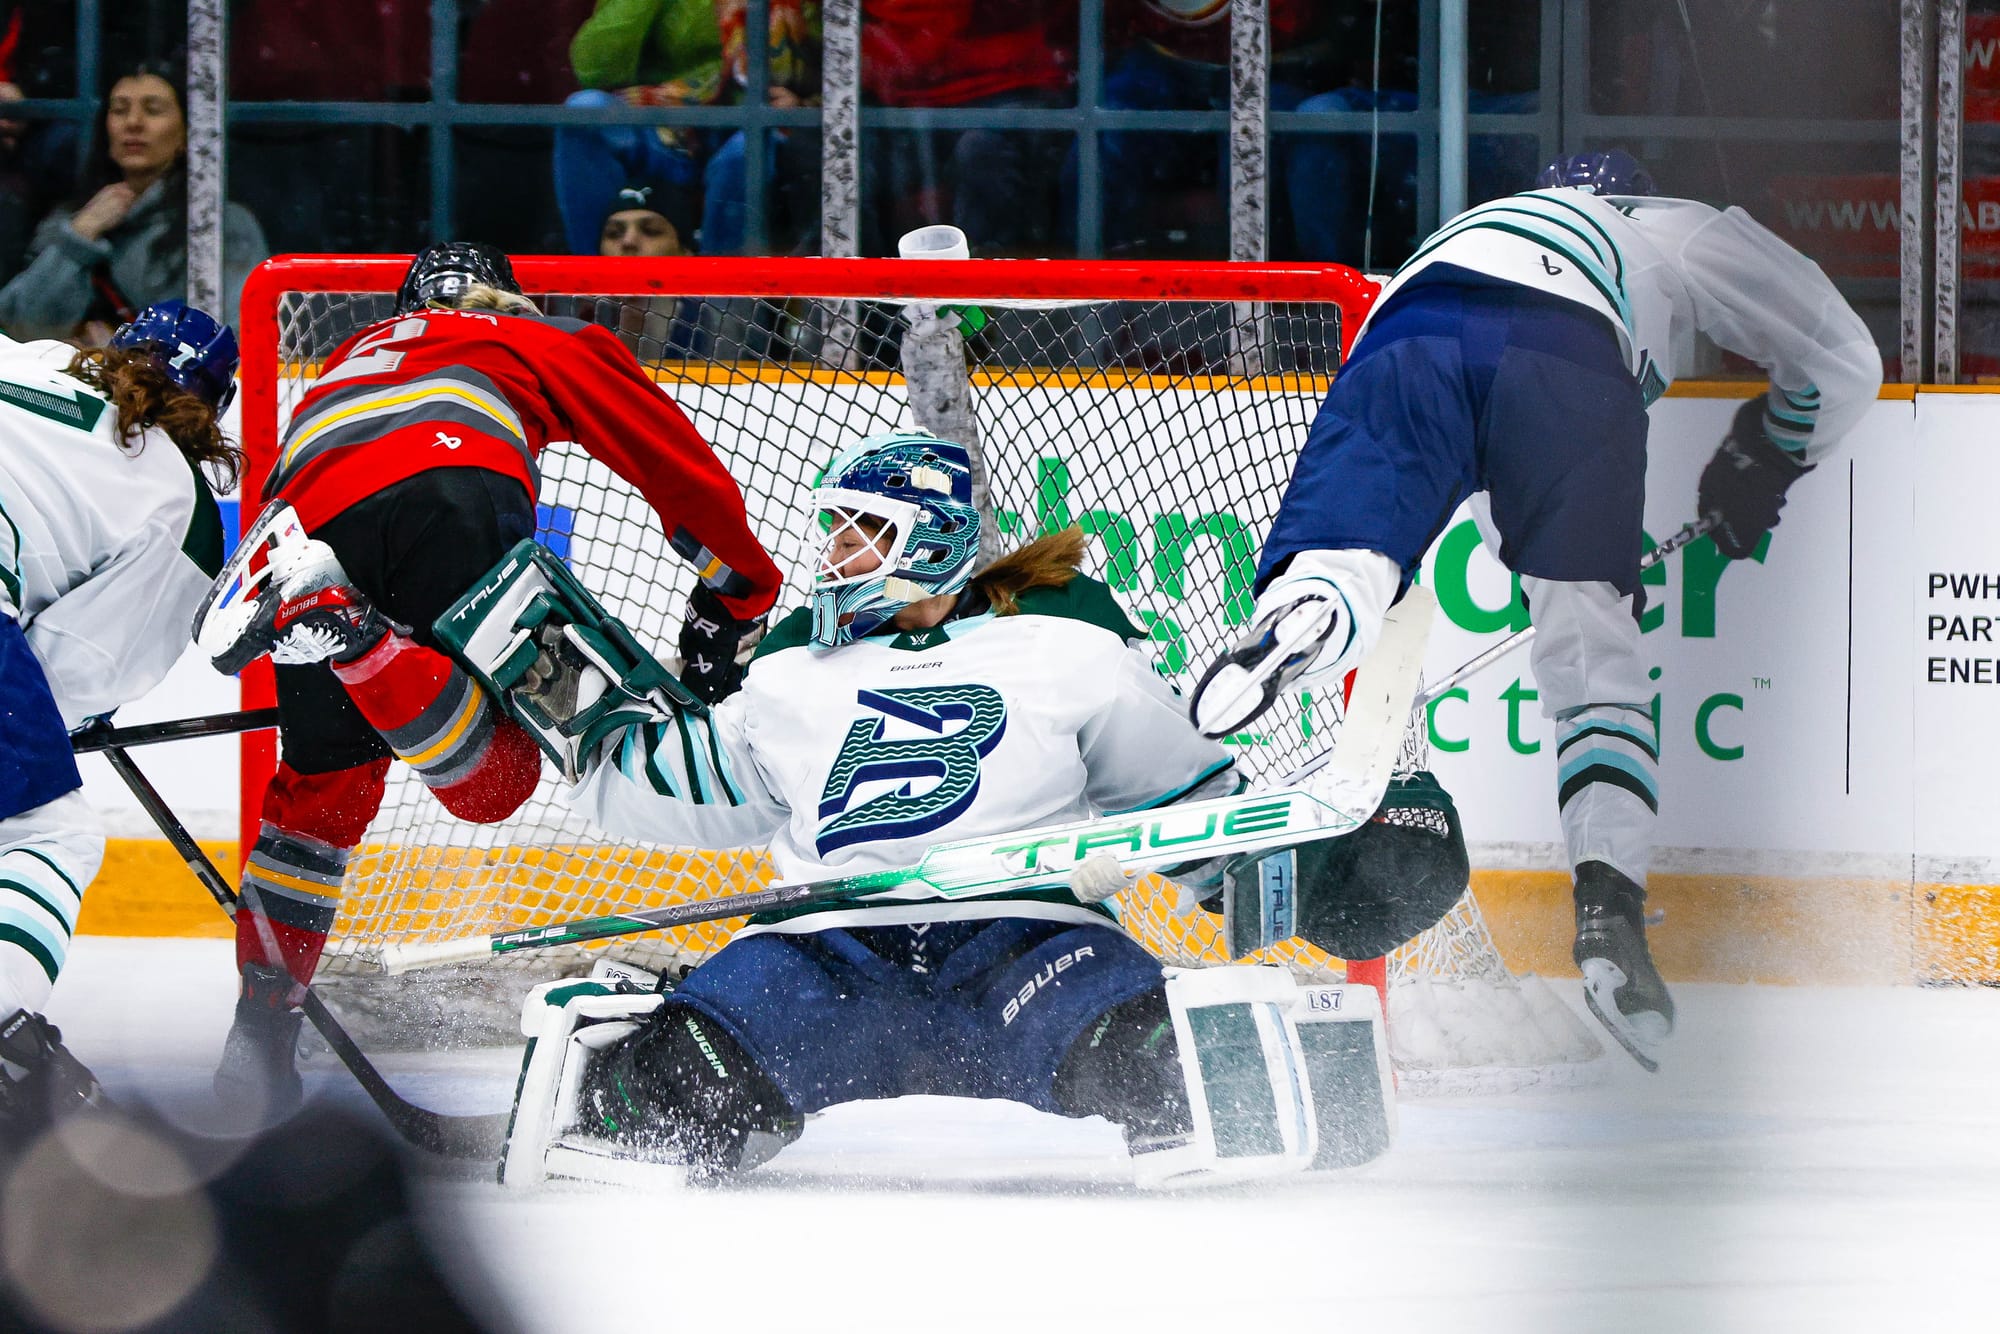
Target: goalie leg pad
x=568, y=1025
x=681, y=1088
x=561, y=665
x=1280, y=1079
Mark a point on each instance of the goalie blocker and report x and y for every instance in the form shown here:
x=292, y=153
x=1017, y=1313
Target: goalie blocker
x=1356, y=897
x=563, y=667
x=1279, y=1079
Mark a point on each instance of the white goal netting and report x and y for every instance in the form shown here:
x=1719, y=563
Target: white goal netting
x=1165, y=427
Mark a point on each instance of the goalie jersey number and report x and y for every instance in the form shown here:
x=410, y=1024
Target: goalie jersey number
x=958, y=724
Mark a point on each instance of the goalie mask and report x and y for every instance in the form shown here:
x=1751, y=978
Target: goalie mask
x=899, y=527
x=443, y=273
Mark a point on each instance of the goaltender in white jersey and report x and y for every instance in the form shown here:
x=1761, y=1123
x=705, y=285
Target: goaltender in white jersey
x=109, y=535
x=912, y=703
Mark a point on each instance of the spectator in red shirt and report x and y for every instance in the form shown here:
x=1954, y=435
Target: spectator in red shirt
x=1000, y=186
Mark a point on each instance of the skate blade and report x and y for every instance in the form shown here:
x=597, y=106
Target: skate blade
x=1242, y=684
x=1639, y=1034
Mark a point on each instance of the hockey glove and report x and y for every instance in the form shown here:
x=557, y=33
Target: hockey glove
x=1743, y=487
x=712, y=643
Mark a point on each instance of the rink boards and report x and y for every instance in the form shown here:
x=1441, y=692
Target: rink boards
x=1829, y=715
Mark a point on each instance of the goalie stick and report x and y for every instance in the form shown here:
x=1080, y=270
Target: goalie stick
x=1356, y=774
x=445, y=1135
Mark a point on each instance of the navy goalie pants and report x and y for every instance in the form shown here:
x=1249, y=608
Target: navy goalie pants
x=973, y=1009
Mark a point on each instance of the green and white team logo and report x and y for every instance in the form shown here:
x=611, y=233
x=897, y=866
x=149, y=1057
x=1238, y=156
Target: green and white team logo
x=965, y=722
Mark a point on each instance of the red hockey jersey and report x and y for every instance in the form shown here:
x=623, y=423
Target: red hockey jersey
x=473, y=388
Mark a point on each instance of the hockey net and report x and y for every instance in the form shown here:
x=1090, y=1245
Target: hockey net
x=1159, y=407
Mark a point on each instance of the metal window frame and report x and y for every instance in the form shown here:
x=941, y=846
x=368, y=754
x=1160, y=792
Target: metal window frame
x=1929, y=133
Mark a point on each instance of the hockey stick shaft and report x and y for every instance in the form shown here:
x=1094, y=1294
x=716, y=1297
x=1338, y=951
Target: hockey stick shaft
x=976, y=867
x=102, y=736
x=966, y=868
x=447, y=1136
x=1487, y=657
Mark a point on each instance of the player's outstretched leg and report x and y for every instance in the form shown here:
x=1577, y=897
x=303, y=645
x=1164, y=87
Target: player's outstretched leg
x=39, y=1080
x=682, y=1090
x=1620, y=984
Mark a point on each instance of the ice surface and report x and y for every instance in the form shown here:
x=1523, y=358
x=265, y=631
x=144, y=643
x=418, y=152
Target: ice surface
x=1809, y=1159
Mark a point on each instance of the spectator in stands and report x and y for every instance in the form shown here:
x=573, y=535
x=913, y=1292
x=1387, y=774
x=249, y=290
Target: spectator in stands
x=1373, y=187
x=649, y=220
x=1001, y=186
x=668, y=53
x=123, y=244
x=1169, y=56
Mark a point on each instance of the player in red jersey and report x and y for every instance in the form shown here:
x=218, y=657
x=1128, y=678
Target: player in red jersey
x=411, y=467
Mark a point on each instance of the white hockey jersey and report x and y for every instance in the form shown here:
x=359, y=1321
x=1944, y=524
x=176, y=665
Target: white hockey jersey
x=861, y=758
x=105, y=550
x=1662, y=269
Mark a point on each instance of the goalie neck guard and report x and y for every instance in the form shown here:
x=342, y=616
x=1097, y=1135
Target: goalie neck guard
x=906, y=498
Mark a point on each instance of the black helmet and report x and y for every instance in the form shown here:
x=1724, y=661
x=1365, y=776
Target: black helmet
x=441, y=274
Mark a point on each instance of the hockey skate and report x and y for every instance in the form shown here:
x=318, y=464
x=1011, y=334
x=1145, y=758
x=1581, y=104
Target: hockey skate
x=40, y=1081
x=298, y=606
x=1620, y=984
x=258, y=1078
x=1241, y=684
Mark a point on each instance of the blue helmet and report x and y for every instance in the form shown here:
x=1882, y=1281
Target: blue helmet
x=1612, y=172
x=908, y=498
x=196, y=352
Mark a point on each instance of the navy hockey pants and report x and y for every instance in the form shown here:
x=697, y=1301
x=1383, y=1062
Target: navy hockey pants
x=1459, y=387
x=973, y=1009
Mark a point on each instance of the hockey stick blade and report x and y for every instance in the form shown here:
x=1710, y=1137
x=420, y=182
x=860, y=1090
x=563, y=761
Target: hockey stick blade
x=435, y=1132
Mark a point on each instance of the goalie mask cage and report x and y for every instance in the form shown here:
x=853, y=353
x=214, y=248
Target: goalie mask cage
x=1157, y=406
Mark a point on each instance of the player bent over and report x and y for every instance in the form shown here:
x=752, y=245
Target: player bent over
x=1513, y=358
x=109, y=540
x=912, y=702
x=409, y=469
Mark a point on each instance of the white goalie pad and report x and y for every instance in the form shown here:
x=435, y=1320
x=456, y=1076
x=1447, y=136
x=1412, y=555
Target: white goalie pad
x=567, y=1023
x=1281, y=1078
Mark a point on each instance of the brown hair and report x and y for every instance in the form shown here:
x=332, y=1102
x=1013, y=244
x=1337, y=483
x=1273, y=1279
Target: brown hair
x=143, y=396
x=483, y=296
x=1050, y=561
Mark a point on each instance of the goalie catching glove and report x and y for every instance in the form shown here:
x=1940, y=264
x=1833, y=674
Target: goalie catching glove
x=1356, y=896
x=558, y=662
